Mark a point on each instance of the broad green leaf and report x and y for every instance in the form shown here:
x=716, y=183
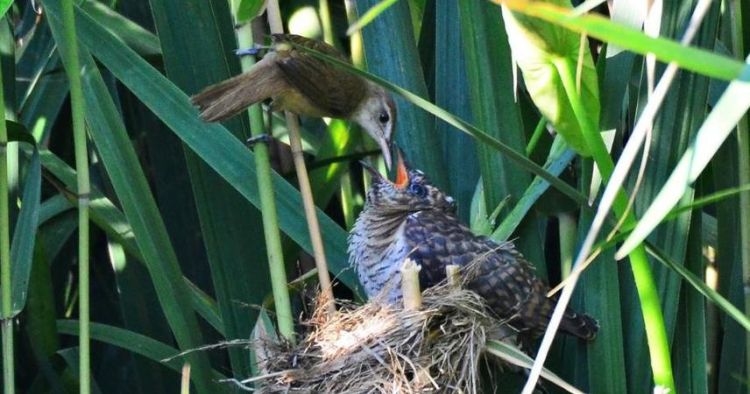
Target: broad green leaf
x=536, y=46
x=249, y=9
x=135, y=36
x=369, y=15
x=451, y=86
x=717, y=127
x=24, y=236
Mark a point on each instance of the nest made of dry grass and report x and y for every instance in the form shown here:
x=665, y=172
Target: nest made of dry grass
x=378, y=348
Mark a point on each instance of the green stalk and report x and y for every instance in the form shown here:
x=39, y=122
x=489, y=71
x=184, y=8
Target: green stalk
x=325, y=22
x=271, y=231
x=82, y=170
x=5, y=268
x=656, y=333
x=295, y=143
x=743, y=162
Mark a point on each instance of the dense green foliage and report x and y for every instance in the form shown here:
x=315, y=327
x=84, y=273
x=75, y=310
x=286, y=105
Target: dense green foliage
x=177, y=250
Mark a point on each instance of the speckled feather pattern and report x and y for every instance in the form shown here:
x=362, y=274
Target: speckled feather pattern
x=385, y=235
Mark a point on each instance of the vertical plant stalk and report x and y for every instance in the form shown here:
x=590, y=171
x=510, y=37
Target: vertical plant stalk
x=295, y=143
x=271, y=232
x=653, y=318
x=743, y=158
x=5, y=268
x=83, y=187
x=410, y=285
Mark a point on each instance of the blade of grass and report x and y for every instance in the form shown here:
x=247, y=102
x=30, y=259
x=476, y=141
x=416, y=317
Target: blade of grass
x=452, y=93
x=134, y=342
x=24, y=235
x=73, y=70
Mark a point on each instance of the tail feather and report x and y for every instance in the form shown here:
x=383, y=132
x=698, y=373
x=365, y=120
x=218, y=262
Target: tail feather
x=228, y=98
x=580, y=325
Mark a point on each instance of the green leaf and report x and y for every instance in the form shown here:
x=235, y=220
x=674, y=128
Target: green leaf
x=24, y=236
x=369, y=15
x=536, y=46
x=135, y=36
x=4, y=6
x=249, y=9
x=451, y=86
x=133, y=342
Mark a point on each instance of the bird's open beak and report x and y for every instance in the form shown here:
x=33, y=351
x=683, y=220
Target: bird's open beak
x=385, y=147
x=402, y=174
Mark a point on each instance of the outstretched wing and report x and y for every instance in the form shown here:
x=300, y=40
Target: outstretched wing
x=333, y=90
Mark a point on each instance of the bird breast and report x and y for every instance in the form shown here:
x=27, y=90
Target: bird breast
x=377, y=248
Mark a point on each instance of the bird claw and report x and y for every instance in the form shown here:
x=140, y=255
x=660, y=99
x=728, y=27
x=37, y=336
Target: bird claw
x=252, y=51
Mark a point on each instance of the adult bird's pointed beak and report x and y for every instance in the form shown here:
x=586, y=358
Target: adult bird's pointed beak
x=385, y=147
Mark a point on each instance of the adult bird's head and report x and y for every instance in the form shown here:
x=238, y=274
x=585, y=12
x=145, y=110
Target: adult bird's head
x=377, y=115
x=411, y=192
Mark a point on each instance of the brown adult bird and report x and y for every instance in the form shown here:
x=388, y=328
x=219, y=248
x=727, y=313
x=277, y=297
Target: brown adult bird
x=412, y=218
x=299, y=82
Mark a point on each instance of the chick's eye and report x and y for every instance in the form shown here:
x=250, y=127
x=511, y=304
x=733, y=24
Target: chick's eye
x=417, y=190
x=383, y=118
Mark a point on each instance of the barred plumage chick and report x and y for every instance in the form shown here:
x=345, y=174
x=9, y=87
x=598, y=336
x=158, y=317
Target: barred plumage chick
x=413, y=218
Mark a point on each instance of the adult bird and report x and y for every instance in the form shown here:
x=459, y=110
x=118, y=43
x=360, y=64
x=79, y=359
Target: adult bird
x=299, y=82
x=412, y=218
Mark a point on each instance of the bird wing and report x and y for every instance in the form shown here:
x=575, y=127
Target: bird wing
x=497, y=271
x=335, y=91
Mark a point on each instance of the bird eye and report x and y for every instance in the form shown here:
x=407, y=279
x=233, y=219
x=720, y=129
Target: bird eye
x=417, y=190
x=383, y=118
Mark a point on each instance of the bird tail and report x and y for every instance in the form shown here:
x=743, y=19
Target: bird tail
x=228, y=98
x=580, y=325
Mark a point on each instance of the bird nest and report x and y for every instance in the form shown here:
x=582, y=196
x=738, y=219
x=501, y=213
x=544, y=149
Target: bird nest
x=377, y=348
